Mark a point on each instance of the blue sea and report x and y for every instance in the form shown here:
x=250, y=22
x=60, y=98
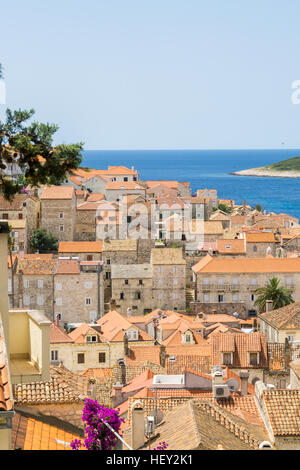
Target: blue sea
x=210, y=169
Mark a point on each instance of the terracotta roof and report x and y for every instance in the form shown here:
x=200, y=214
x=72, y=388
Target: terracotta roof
x=68, y=266
x=58, y=335
x=88, y=206
x=128, y=185
x=210, y=227
x=37, y=266
x=260, y=237
x=15, y=205
x=172, y=256
x=54, y=391
x=58, y=192
x=232, y=246
x=78, y=335
x=143, y=353
x=283, y=410
x=114, y=325
x=80, y=247
x=5, y=394
x=240, y=346
x=33, y=434
x=99, y=372
x=284, y=317
x=210, y=264
x=94, y=197
x=169, y=184
x=35, y=256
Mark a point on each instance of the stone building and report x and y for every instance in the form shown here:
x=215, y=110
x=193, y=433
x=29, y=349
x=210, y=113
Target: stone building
x=260, y=244
x=229, y=285
x=115, y=190
x=58, y=211
x=35, y=285
x=132, y=288
x=85, y=229
x=24, y=208
x=99, y=345
x=116, y=252
x=85, y=251
x=78, y=291
x=168, y=281
x=282, y=324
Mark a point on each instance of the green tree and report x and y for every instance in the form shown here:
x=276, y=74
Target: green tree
x=28, y=140
x=225, y=208
x=279, y=295
x=258, y=208
x=43, y=241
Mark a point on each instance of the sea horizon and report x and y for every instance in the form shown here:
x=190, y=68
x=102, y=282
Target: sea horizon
x=211, y=168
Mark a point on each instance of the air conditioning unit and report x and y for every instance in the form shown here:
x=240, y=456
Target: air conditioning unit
x=221, y=391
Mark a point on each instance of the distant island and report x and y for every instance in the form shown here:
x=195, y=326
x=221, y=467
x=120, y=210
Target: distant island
x=289, y=168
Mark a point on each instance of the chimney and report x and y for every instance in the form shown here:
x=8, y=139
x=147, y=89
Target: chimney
x=214, y=312
x=269, y=305
x=129, y=312
x=162, y=355
x=137, y=426
x=113, y=304
x=126, y=347
x=92, y=389
x=244, y=376
x=57, y=319
x=118, y=397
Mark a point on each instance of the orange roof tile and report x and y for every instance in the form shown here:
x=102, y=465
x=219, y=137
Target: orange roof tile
x=247, y=265
x=80, y=247
x=57, y=192
x=58, y=335
x=260, y=237
x=231, y=246
x=68, y=266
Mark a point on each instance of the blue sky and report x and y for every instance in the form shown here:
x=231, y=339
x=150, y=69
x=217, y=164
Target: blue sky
x=156, y=74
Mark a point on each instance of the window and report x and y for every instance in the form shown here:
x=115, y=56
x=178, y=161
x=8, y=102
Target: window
x=61, y=215
x=206, y=281
x=88, y=285
x=108, y=261
x=126, y=281
x=160, y=296
x=89, y=258
x=174, y=269
x=26, y=300
x=221, y=281
x=252, y=297
x=101, y=357
x=91, y=339
x=5, y=216
x=290, y=338
x=253, y=281
x=125, y=178
x=20, y=216
x=80, y=358
x=15, y=234
x=107, y=275
x=58, y=286
x=160, y=282
x=26, y=283
x=61, y=228
x=54, y=356
x=40, y=300
x=175, y=295
x=175, y=281
x=235, y=281
x=253, y=358
x=188, y=338
x=254, y=248
x=58, y=301
x=235, y=297
x=206, y=297
x=88, y=301
x=40, y=283
x=220, y=298
x=140, y=282
x=132, y=335
x=138, y=295
x=121, y=295
x=227, y=358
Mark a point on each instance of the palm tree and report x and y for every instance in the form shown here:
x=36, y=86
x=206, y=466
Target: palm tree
x=279, y=295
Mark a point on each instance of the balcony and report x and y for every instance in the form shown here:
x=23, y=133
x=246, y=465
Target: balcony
x=29, y=346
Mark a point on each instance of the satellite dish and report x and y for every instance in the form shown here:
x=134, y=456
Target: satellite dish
x=233, y=385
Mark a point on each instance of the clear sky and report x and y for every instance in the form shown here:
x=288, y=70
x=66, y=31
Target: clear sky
x=156, y=74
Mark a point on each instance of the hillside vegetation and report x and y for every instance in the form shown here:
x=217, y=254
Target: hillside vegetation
x=290, y=164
